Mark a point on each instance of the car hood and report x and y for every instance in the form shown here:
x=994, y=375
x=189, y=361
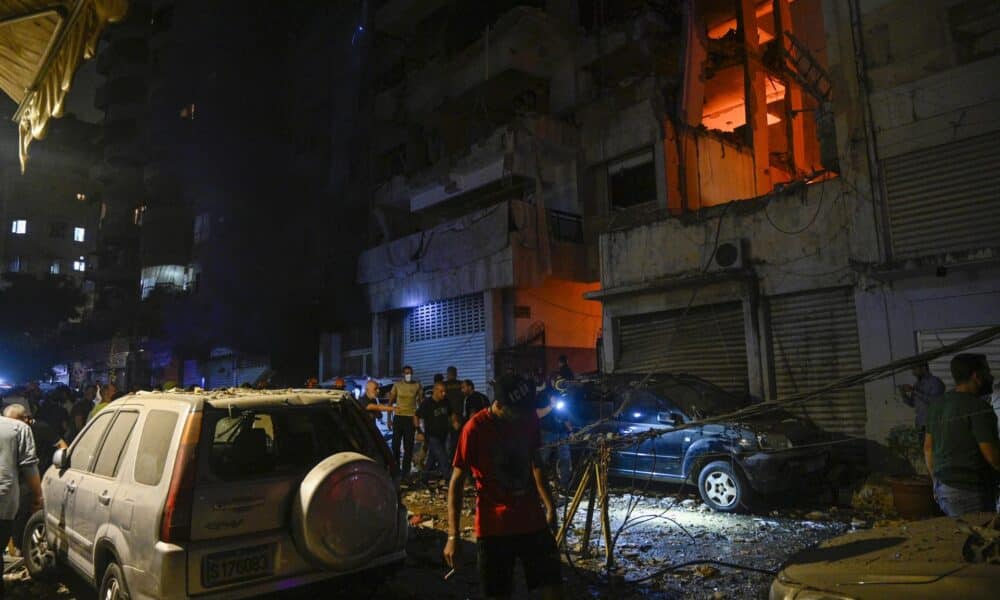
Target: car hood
x=919, y=552
x=795, y=428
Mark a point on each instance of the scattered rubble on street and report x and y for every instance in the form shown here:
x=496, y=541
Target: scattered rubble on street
x=667, y=527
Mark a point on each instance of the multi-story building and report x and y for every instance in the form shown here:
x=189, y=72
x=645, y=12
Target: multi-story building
x=479, y=257
x=51, y=212
x=825, y=201
x=770, y=194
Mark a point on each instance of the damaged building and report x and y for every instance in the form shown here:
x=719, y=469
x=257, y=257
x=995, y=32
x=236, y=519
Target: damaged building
x=771, y=195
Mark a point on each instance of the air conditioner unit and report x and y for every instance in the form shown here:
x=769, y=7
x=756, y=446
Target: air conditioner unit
x=728, y=256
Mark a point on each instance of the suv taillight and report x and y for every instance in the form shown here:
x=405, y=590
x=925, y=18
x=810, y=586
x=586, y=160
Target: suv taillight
x=176, y=524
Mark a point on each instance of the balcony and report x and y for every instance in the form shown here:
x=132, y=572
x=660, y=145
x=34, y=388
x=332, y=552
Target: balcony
x=517, y=55
x=495, y=247
x=507, y=155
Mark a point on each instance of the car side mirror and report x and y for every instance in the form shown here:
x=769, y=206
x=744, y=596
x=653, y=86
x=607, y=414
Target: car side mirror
x=59, y=457
x=668, y=418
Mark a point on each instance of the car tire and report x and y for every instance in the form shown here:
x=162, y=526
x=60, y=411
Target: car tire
x=39, y=558
x=346, y=512
x=723, y=487
x=113, y=585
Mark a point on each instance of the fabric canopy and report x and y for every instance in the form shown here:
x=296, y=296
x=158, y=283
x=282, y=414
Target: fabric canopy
x=41, y=44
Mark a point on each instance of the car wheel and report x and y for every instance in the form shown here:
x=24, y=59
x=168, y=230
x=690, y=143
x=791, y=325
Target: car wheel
x=38, y=556
x=723, y=487
x=113, y=584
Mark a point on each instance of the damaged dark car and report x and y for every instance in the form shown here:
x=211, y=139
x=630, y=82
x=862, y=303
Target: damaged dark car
x=734, y=463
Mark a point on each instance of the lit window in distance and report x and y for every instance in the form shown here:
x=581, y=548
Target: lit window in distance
x=79, y=234
x=19, y=226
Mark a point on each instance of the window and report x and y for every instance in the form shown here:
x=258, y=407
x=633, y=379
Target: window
x=114, y=445
x=15, y=264
x=251, y=445
x=157, y=432
x=201, y=227
x=631, y=181
x=82, y=452
x=79, y=234
x=80, y=265
x=643, y=406
x=57, y=230
x=19, y=226
x=55, y=268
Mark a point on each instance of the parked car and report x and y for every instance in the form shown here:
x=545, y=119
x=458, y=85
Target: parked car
x=731, y=462
x=220, y=495
x=942, y=557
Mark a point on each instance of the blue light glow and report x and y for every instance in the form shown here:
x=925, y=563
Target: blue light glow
x=560, y=405
x=636, y=415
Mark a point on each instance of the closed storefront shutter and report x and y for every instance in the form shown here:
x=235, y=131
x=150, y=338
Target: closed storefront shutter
x=935, y=338
x=937, y=196
x=447, y=333
x=192, y=374
x=814, y=338
x=708, y=341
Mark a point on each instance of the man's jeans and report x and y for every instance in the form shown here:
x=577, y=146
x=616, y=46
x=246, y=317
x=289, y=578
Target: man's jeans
x=437, y=458
x=956, y=502
x=564, y=462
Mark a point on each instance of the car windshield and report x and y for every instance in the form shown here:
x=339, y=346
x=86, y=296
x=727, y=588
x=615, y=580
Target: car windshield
x=697, y=398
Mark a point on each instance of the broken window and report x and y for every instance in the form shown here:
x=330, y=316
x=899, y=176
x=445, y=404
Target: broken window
x=631, y=181
x=786, y=76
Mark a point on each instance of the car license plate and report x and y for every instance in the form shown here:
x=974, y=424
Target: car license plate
x=237, y=565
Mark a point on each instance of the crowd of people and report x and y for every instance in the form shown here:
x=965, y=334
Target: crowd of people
x=34, y=425
x=502, y=445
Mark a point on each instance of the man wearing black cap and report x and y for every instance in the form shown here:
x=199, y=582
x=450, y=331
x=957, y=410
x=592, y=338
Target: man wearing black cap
x=514, y=508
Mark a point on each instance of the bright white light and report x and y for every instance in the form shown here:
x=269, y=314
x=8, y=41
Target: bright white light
x=636, y=415
x=560, y=405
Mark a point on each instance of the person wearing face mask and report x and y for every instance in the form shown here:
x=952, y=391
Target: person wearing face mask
x=960, y=446
x=405, y=395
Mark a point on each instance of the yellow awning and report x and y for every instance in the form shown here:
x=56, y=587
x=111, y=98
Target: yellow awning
x=41, y=44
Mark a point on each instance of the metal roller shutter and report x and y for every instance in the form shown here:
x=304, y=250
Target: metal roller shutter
x=441, y=334
x=937, y=197
x=814, y=338
x=935, y=338
x=709, y=341
x=192, y=374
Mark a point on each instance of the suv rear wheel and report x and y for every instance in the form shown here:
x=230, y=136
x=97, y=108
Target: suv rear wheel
x=345, y=512
x=723, y=487
x=113, y=584
x=38, y=556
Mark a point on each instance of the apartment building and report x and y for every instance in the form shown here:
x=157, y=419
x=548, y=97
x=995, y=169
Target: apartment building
x=825, y=204
x=50, y=213
x=770, y=194
x=478, y=253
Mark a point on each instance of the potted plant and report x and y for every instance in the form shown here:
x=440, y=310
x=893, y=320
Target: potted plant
x=913, y=494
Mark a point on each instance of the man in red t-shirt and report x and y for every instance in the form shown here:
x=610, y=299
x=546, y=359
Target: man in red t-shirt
x=499, y=447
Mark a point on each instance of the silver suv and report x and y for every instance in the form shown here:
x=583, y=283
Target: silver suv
x=224, y=494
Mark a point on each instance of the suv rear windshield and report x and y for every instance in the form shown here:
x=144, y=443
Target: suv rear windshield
x=281, y=440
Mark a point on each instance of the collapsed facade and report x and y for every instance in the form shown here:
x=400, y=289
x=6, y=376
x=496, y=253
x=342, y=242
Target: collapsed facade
x=771, y=195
